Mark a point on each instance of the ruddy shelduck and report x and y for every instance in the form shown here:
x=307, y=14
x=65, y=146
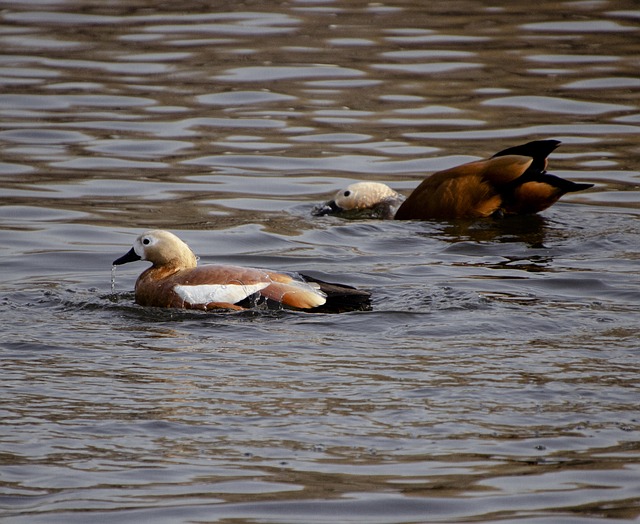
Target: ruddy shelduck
x=174, y=280
x=512, y=182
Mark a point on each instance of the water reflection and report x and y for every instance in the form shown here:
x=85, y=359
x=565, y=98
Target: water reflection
x=529, y=230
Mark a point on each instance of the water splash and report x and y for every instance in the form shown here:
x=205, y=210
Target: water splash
x=113, y=279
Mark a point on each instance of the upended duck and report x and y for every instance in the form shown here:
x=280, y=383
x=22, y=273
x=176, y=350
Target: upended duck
x=174, y=280
x=512, y=182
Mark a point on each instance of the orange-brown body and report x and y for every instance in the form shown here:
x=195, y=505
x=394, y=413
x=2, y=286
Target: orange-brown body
x=156, y=286
x=514, y=181
x=174, y=280
x=467, y=191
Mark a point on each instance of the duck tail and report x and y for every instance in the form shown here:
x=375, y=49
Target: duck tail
x=534, y=149
x=340, y=297
x=562, y=184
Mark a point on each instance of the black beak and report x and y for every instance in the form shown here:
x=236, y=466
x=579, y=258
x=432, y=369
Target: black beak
x=329, y=208
x=131, y=256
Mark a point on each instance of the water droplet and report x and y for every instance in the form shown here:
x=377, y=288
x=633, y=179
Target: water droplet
x=113, y=280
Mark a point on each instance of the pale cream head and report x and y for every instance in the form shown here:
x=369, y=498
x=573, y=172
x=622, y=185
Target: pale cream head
x=163, y=248
x=363, y=195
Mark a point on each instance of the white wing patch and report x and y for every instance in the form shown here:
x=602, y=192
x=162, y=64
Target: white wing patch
x=230, y=293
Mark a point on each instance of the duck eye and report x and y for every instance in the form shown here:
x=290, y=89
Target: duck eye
x=146, y=241
x=347, y=193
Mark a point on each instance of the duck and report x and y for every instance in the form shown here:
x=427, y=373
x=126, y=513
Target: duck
x=514, y=181
x=175, y=280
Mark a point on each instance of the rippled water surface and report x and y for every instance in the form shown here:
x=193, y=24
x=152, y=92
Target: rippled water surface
x=496, y=378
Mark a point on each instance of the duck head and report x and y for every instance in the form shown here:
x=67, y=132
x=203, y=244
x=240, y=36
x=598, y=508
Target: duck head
x=362, y=196
x=161, y=248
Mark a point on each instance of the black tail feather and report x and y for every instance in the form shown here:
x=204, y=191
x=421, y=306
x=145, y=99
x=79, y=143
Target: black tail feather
x=534, y=149
x=565, y=186
x=340, y=297
x=539, y=150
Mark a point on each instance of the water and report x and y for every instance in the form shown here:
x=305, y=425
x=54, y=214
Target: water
x=495, y=379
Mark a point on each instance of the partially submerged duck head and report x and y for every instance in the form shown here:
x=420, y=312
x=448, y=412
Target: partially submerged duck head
x=362, y=200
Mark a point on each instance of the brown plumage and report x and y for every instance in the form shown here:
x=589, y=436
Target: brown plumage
x=175, y=281
x=466, y=191
x=513, y=181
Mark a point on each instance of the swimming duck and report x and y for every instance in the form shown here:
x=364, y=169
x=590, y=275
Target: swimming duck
x=514, y=181
x=176, y=281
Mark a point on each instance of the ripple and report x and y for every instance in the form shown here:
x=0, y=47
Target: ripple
x=240, y=29
x=591, y=26
x=8, y=81
x=556, y=105
x=80, y=86
x=427, y=68
x=249, y=123
x=402, y=98
x=14, y=169
x=614, y=82
x=55, y=17
x=618, y=198
x=40, y=151
x=68, y=101
x=578, y=129
x=338, y=163
x=625, y=14
x=107, y=100
x=253, y=487
x=111, y=67
x=139, y=148
x=43, y=136
x=350, y=42
x=14, y=102
x=342, y=113
x=252, y=145
x=412, y=54
x=572, y=59
x=28, y=72
x=156, y=57
x=333, y=138
x=432, y=122
x=180, y=128
x=37, y=214
x=436, y=39
x=235, y=98
x=343, y=83
x=106, y=163
x=391, y=148
x=40, y=42
x=428, y=110
x=266, y=74
x=631, y=119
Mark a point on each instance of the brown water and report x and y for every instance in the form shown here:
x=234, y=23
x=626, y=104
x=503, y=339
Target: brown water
x=495, y=380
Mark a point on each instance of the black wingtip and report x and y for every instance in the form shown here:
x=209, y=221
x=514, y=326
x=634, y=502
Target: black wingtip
x=536, y=149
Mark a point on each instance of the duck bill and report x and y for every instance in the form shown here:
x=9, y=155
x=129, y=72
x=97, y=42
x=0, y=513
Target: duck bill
x=130, y=256
x=329, y=208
